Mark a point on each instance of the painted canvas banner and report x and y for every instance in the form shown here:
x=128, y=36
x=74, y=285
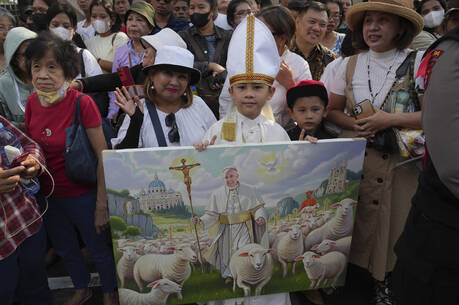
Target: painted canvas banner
x=231, y=221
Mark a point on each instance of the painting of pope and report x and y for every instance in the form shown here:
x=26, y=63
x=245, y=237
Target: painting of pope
x=234, y=217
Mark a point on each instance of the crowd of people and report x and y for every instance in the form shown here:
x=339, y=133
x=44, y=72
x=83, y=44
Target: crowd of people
x=181, y=73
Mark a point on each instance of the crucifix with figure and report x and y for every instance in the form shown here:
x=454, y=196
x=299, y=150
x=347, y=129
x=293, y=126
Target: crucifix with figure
x=185, y=169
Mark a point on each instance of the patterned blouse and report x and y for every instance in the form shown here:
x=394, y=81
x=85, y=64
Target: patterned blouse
x=318, y=59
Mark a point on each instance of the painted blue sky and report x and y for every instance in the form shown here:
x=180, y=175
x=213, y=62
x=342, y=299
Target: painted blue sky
x=300, y=166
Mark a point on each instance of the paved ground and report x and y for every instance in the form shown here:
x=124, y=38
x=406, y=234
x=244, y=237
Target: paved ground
x=356, y=292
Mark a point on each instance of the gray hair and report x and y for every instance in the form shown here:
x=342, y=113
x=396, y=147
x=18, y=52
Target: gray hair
x=6, y=13
x=230, y=168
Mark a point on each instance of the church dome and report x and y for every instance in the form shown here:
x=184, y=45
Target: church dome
x=157, y=185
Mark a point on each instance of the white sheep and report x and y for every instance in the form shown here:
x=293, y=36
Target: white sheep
x=125, y=265
x=342, y=245
x=157, y=296
x=251, y=265
x=338, y=227
x=175, y=267
x=322, y=268
x=288, y=246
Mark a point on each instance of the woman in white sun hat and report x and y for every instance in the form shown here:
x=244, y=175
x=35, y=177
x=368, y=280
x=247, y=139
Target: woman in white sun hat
x=380, y=83
x=170, y=115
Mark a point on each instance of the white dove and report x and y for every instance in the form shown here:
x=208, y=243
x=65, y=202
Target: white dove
x=270, y=166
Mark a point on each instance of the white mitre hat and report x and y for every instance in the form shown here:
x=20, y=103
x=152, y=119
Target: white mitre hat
x=260, y=62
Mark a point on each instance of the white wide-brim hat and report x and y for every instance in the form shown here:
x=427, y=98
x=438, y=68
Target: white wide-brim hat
x=402, y=8
x=165, y=37
x=177, y=59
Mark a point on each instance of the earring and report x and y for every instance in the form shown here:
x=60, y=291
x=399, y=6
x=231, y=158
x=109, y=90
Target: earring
x=184, y=94
x=152, y=87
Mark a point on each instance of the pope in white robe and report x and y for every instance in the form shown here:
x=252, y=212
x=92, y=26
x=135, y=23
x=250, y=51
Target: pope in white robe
x=235, y=216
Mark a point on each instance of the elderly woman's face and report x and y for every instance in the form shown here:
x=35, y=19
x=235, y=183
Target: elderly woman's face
x=137, y=26
x=47, y=73
x=380, y=30
x=169, y=85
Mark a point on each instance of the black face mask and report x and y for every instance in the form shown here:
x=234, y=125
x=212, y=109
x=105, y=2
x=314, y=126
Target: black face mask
x=199, y=20
x=39, y=22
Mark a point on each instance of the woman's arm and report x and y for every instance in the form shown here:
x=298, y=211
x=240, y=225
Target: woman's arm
x=105, y=64
x=97, y=139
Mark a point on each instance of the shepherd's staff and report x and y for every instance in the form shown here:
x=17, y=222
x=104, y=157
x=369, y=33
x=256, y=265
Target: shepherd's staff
x=185, y=169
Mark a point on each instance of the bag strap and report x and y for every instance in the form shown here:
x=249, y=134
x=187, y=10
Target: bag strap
x=77, y=113
x=156, y=124
x=82, y=67
x=113, y=38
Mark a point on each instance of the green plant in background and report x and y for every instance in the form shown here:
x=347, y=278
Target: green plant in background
x=132, y=231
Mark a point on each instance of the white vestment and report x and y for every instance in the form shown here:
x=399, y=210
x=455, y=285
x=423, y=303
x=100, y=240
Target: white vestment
x=229, y=220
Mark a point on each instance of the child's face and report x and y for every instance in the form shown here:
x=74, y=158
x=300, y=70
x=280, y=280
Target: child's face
x=250, y=98
x=308, y=113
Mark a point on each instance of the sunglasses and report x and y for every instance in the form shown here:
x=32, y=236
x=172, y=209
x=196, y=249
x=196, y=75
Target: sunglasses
x=173, y=134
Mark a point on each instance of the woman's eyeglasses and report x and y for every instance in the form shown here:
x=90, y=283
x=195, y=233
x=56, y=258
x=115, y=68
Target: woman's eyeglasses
x=173, y=134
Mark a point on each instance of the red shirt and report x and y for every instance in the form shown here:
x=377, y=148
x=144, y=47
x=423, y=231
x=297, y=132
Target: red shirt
x=22, y=212
x=46, y=125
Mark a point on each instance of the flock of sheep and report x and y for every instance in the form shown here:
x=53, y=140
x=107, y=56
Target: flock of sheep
x=321, y=242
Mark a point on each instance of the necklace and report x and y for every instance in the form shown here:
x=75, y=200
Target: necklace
x=373, y=96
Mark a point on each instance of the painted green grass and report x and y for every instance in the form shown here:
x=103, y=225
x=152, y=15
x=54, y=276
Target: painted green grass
x=210, y=285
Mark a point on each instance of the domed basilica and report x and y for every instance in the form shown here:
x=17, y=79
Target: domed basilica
x=157, y=197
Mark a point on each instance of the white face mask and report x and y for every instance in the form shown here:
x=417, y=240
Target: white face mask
x=434, y=19
x=100, y=26
x=62, y=33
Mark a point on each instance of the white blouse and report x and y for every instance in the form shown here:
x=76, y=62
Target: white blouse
x=192, y=123
x=379, y=66
x=278, y=102
x=259, y=130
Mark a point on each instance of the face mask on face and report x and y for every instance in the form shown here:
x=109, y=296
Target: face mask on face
x=199, y=20
x=53, y=96
x=100, y=26
x=39, y=22
x=434, y=18
x=62, y=33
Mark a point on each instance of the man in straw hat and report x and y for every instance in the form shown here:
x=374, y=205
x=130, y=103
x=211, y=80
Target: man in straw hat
x=427, y=270
x=383, y=79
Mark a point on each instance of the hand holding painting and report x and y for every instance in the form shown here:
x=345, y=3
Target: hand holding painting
x=185, y=169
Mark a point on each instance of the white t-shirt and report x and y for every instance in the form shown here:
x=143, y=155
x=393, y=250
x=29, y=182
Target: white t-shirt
x=192, y=123
x=330, y=72
x=379, y=65
x=91, y=67
x=104, y=47
x=86, y=33
x=222, y=22
x=278, y=102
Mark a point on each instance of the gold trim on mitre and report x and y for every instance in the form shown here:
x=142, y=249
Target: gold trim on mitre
x=251, y=78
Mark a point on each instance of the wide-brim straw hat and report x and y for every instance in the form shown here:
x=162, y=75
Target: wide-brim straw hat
x=175, y=59
x=402, y=8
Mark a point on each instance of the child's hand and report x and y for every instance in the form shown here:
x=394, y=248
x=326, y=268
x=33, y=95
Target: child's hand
x=203, y=145
x=307, y=137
